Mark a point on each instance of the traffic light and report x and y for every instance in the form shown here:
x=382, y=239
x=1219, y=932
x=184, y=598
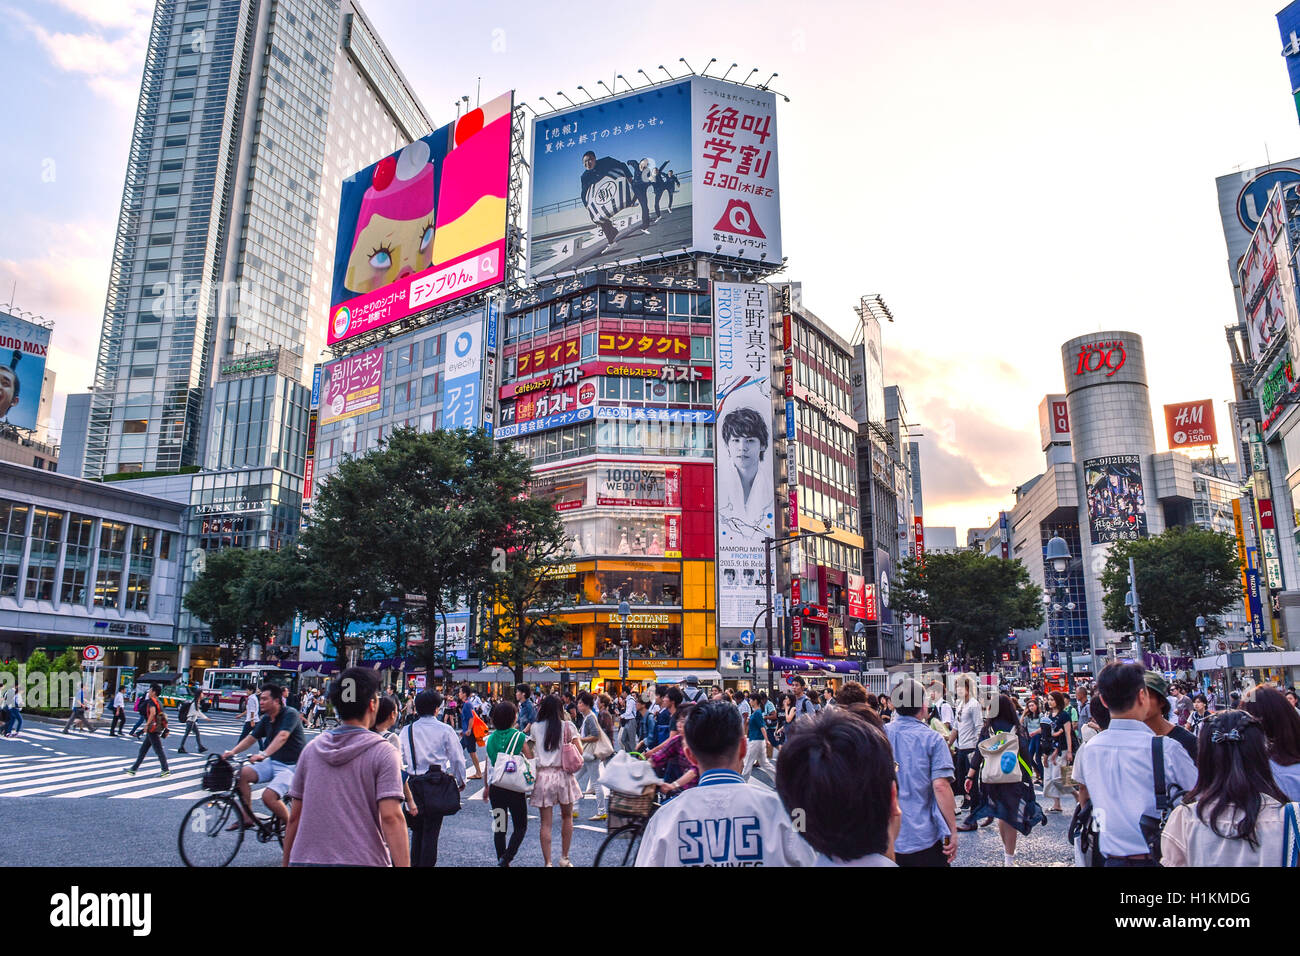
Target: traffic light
x=805, y=611
x=749, y=664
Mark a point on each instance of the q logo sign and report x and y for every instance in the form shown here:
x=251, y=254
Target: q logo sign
x=738, y=218
x=1101, y=355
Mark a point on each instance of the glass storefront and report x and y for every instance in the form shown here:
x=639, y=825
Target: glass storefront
x=649, y=636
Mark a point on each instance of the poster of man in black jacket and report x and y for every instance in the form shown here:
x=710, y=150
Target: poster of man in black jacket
x=609, y=185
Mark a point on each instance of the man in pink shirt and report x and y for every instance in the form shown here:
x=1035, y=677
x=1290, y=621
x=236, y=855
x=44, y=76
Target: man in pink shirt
x=347, y=789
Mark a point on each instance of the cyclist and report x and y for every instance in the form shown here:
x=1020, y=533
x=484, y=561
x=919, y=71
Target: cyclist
x=282, y=737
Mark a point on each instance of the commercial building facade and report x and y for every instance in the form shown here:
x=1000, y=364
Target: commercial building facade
x=87, y=563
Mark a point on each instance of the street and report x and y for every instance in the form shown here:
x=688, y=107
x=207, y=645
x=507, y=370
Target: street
x=66, y=801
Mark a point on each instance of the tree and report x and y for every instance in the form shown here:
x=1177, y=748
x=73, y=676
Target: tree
x=211, y=597
x=1184, y=573
x=244, y=596
x=972, y=601
x=528, y=591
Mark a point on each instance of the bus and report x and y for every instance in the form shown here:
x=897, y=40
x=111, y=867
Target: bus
x=227, y=688
x=1054, y=679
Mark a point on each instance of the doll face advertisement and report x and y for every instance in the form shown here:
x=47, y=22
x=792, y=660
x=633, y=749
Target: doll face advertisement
x=23, y=350
x=425, y=225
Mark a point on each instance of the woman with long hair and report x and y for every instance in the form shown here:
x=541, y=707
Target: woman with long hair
x=1281, y=724
x=1235, y=815
x=1012, y=804
x=1062, y=750
x=1032, y=721
x=555, y=786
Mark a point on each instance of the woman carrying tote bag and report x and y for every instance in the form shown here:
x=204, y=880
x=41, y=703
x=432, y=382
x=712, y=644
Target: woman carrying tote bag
x=558, y=759
x=510, y=779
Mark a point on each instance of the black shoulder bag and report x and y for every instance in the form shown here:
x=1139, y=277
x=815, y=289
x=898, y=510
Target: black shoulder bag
x=1153, y=825
x=433, y=790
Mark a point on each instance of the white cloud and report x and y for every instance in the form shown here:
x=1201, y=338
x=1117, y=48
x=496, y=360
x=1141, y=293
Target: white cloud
x=110, y=54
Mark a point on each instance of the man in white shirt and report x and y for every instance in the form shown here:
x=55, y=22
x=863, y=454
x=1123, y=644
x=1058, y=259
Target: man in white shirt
x=119, y=714
x=252, y=713
x=1116, y=769
x=723, y=821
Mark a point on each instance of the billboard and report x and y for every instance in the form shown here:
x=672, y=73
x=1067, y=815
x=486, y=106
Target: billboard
x=858, y=597
x=1288, y=25
x=1116, y=504
x=425, y=225
x=461, y=376
x=1053, y=421
x=24, y=346
x=1190, y=424
x=746, y=496
x=686, y=165
x=1243, y=197
x=639, y=486
x=352, y=386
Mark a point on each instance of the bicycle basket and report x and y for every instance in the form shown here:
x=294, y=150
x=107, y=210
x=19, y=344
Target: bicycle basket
x=218, y=775
x=625, y=808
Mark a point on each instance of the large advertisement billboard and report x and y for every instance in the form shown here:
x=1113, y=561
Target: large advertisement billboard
x=686, y=165
x=1189, y=424
x=1243, y=197
x=352, y=386
x=746, y=496
x=1288, y=25
x=24, y=347
x=425, y=225
x=462, y=397
x=1117, y=508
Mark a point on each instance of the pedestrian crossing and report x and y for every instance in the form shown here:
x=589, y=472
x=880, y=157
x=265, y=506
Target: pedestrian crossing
x=66, y=777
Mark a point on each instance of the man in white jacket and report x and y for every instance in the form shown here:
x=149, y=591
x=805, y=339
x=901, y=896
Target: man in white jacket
x=723, y=821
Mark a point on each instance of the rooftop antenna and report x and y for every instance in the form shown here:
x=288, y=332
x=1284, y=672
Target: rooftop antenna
x=478, y=93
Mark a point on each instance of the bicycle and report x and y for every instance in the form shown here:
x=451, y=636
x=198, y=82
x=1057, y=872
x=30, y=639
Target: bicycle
x=206, y=837
x=627, y=817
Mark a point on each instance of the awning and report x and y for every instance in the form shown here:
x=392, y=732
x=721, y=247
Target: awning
x=633, y=673
x=677, y=676
x=1248, y=660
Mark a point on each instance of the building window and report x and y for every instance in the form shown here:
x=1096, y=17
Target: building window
x=13, y=528
x=76, y=561
x=140, y=573
x=47, y=533
x=112, y=553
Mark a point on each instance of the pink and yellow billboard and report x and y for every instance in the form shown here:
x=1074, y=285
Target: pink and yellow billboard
x=425, y=225
x=352, y=386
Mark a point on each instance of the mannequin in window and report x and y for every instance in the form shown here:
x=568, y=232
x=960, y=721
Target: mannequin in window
x=656, y=546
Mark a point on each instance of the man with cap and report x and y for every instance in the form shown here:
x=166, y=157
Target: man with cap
x=690, y=685
x=928, y=834
x=1157, y=714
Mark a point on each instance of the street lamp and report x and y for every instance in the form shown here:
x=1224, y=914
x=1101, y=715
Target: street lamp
x=624, y=609
x=769, y=545
x=1058, y=555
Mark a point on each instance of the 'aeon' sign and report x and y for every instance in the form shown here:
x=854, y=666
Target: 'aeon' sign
x=1101, y=355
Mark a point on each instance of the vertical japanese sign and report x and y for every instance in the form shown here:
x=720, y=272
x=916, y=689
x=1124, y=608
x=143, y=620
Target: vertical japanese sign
x=918, y=537
x=746, y=498
x=672, y=536
x=1241, y=557
x=461, y=375
x=1252, y=594
x=309, y=468
x=352, y=386
x=858, y=597
x=733, y=144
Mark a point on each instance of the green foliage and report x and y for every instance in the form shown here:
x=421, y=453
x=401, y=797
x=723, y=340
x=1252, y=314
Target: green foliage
x=971, y=601
x=243, y=596
x=1183, y=573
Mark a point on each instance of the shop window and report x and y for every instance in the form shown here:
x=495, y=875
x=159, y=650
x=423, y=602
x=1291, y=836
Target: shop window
x=649, y=636
x=112, y=554
x=47, y=532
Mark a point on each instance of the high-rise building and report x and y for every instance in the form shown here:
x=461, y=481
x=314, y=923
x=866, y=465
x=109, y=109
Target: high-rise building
x=250, y=116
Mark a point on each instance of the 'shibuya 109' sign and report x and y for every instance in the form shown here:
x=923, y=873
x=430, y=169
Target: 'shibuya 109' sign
x=1101, y=355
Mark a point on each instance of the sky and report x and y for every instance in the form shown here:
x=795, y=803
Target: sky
x=1007, y=175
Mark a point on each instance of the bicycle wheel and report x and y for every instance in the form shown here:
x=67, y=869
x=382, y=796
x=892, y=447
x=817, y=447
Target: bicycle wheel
x=205, y=837
x=619, y=848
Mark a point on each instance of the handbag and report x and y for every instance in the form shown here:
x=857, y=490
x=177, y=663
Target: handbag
x=1086, y=834
x=602, y=747
x=433, y=790
x=1001, y=753
x=1291, y=835
x=1152, y=825
x=512, y=771
x=570, y=756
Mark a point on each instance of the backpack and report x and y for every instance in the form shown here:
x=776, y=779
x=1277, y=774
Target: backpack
x=479, y=729
x=1001, y=753
x=183, y=710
